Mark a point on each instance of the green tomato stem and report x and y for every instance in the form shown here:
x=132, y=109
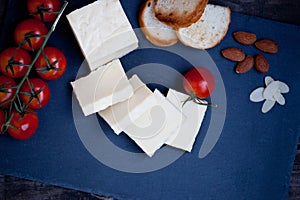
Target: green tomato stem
x=47, y=36
x=199, y=101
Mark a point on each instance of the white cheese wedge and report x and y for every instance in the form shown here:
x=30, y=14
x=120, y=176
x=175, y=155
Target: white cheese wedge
x=153, y=128
x=102, y=31
x=188, y=131
x=121, y=115
x=102, y=88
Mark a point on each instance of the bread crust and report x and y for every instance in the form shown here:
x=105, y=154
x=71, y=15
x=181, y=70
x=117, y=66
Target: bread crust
x=177, y=20
x=152, y=38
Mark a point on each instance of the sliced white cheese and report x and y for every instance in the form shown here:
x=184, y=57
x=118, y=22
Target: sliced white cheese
x=102, y=88
x=121, y=115
x=102, y=31
x=188, y=130
x=153, y=128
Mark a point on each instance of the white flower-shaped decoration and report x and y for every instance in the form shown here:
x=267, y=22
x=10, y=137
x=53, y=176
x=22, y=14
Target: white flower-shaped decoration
x=272, y=93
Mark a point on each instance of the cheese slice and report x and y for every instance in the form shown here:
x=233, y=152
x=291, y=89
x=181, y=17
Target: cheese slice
x=184, y=139
x=102, y=88
x=121, y=115
x=103, y=32
x=153, y=128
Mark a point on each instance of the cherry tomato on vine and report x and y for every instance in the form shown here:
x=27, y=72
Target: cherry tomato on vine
x=30, y=32
x=35, y=94
x=11, y=60
x=7, y=90
x=52, y=64
x=199, y=82
x=2, y=120
x=40, y=9
x=23, y=125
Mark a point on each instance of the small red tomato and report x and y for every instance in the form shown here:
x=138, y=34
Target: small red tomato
x=23, y=126
x=11, y=60
x=2, y=120
x=52, y=64
x=40, y=9
x=35, y=94
x=200, y=82
x=7, y=90
x=30, y=31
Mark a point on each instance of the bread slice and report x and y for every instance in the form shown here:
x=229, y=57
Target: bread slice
x=155, y=31
x=209, y=30
x=179, y=13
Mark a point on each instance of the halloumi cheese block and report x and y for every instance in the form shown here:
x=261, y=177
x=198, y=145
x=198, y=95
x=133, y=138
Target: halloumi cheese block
x=122, y=114
x=184, y=139
x=103, y=32
x=102, y=88
x=153, y=128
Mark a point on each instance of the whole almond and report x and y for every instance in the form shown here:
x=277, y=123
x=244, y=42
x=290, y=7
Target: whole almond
x=267, y=45
x=234, y=54
x=245, y=65
x=261, y=63
x=245, y=38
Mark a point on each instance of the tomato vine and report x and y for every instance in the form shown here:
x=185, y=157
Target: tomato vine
x=15, y=101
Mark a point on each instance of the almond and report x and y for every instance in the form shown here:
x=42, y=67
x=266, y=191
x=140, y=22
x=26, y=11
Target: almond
x=267, y=45
x=261, y=63
x=245, y=65
x=234, y=54
x=245, y=38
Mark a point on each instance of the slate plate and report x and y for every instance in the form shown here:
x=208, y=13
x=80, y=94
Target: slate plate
x=253, y=158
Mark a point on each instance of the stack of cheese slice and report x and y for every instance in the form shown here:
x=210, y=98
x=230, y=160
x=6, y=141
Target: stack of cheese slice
x=122, y=114
x=127, y=105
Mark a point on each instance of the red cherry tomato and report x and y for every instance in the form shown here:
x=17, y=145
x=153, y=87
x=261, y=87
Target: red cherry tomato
x=36, y=94
x=56, y=65
x=11, y=60
x=27, y=28
x=200, y=82
x=23, y=126
x=40, y=8
x=2, y=120
x=7, y=90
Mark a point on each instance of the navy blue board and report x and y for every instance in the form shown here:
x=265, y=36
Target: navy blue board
x=253, y=158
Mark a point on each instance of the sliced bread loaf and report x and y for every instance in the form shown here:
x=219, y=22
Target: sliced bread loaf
x=155, y=31
x=179, y=13
x=209, y=30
